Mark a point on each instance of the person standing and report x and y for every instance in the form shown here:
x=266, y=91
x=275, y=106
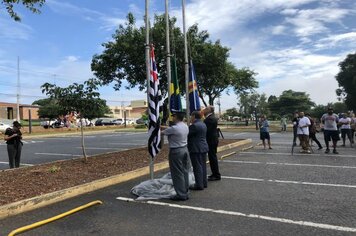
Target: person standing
x=313, y=131
x=353, y=127
x=284, y=124
x=330, y=120
x=13, y=138
x=178, y=156
x=264, y=131
x=303, y=132
x=212, y=138
x=295, y=128
x=345, y=129
x=198, y=148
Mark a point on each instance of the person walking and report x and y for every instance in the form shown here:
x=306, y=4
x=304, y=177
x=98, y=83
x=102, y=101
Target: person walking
x=313, y=131
x=295, y=128
x=13, y=138
x=212, y=138
x=329, y=121
x=178, y=156
x=264, y=131
x=198, y=148
x=345, y=128
x=303, y=132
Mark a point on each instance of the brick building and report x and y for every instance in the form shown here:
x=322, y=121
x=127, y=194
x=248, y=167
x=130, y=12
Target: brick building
x=8, y=111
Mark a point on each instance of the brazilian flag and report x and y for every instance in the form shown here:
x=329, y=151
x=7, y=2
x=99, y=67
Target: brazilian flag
x=175, y=101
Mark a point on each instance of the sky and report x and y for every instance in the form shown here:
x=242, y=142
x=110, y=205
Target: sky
x=291, y=44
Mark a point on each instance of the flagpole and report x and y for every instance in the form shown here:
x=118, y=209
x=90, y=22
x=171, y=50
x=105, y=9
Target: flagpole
x=147, y=49
x=186, y=64
x=169, y=74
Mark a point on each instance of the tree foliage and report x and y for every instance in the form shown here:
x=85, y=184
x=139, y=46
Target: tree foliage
x=49, y=108
x=32, y=5
x=347, y=81
x=249, y=103
x=123, y=59
x=289, y=102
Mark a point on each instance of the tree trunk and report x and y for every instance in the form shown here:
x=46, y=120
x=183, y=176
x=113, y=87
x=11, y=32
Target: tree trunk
x=83, y=144
x=211, y=100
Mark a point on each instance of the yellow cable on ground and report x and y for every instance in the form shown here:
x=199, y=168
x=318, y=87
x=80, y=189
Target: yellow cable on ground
x=43, y=222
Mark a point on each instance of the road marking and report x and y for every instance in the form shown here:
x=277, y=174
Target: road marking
x=21, y=164
x=290, y=182
x=57, y=154
x=272, y=134
x=296, y=154
x=240, y=214
x=239, y=134
x=98, y=148
x=290, y=164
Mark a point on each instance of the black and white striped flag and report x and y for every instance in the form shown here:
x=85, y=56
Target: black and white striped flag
x=154, y=104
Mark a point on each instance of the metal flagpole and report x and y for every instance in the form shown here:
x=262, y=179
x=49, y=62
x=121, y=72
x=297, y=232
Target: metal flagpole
x=18, y=90
x=186, y=64
x=148, y=71
x=169, y=74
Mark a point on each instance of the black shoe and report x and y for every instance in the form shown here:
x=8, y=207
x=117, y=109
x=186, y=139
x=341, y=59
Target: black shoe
x=327, y=150
x=195, y=188
x=178, y=198
x=214, y=178
x=335, y=152
x=320, y=148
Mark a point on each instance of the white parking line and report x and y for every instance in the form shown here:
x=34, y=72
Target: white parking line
x=22, y=164
x=56, y=154
x=290, y=182
x=234, y=213
x=289, y=164
x=98, y=148
x=135, y=144
x=239, y=134
x=295, y=154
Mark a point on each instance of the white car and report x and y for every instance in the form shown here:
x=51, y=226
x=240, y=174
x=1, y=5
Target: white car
x=3, y=127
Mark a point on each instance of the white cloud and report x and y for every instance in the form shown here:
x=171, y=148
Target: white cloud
x=11, y=30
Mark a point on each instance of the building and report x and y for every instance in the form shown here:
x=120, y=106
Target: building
x=134, y=111
x=9, y=111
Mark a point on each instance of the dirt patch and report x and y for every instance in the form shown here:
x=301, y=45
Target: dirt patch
x=23, y=183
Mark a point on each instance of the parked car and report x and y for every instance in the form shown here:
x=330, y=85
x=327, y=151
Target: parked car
x=56, y=123
x=142, y=122
x=103, y=122
x=118, y=121
x=3, y=127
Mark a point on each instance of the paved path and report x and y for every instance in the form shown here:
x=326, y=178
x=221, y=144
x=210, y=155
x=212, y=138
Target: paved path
x=263, y=192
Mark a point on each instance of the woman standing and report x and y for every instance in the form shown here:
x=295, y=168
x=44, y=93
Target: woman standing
x=14, y=145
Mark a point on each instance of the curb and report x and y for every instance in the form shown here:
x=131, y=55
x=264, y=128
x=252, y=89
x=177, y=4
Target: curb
x=51, y=198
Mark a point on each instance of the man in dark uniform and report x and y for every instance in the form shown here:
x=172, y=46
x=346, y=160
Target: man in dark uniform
x=14, y=145
x=212, y=138
x=178, y=156
x=198, y=148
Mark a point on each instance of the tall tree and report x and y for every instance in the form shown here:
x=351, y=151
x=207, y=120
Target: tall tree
x=290, y=101
x=249, y=103
x=347, y=81
x=80, y=98
x=32, y=5
x=123, y=59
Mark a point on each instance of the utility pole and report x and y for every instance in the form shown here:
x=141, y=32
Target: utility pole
x=18, y=90
x=186, y=64
x=219, y=104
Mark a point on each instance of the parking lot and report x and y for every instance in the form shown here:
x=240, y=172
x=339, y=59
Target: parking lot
x=262, y=192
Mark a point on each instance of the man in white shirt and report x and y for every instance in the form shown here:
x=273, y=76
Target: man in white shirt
x=303, y=132
x=330, y=121
x=345, y=128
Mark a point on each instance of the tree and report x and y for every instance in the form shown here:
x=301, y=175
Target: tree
x=347, y=81
x=289, y=102
x=231, y=113
x=123, y=59
x=49, y=108
x=80, y=98
x=249, y=103
x=32, y=5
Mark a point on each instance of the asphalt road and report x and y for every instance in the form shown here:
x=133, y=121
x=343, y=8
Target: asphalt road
x=263, y=192
x=47, y=149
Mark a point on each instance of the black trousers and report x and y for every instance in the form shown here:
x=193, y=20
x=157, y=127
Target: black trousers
x=213, y=160
x=295, y=135
x=14, y=153
x=199, y=169
x=313, y=137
